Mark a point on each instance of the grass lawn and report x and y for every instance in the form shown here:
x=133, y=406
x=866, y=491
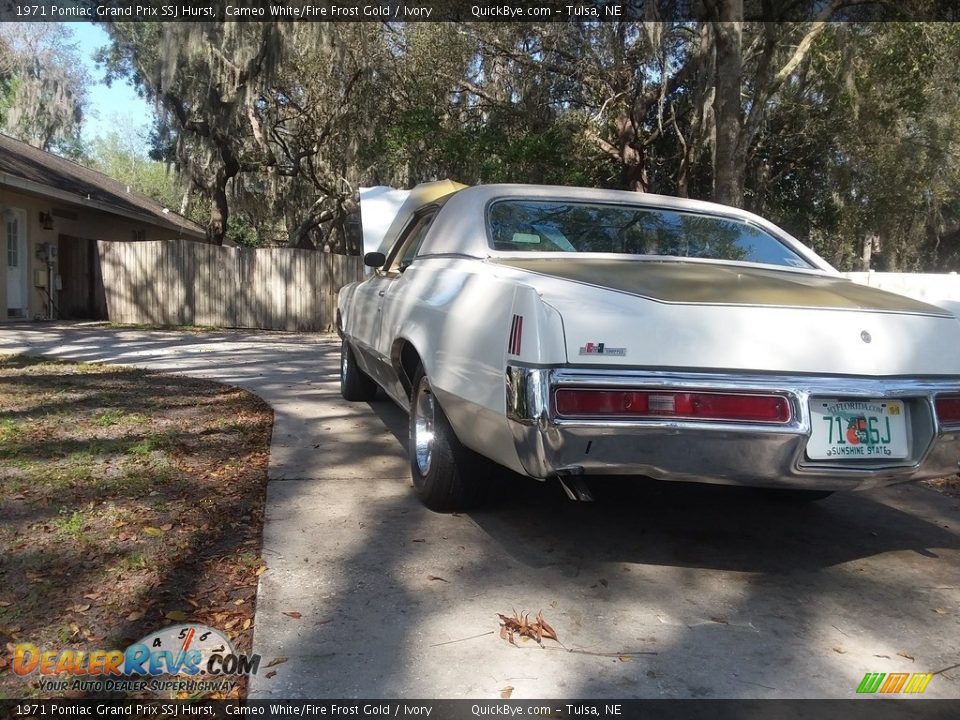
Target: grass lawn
x=129, y=501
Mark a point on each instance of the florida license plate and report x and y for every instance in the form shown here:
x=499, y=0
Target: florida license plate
x=857, y=429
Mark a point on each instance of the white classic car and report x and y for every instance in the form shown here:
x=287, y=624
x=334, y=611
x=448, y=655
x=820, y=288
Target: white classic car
x=569, y=332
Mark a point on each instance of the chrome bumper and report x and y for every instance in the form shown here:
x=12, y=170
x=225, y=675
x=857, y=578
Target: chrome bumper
x=720, y=452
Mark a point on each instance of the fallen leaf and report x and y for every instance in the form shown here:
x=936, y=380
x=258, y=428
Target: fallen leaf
x=152, y=531
x=80, y=608
x=624, y=658
x=168, y=526
x=239, y=601
x=719, y=621
x=176, y=615
x=437, y=577
x=277, y=661
x=545, y=628
x=839, y=650
x=905, y=654
x=4, y=603
x=294, y=615
x=940, y=611
x=261, y=570
x=135, y=615
x=271, y=674
x=506, y=692
x=247, y=623
x=520, y=624
x=418, y=540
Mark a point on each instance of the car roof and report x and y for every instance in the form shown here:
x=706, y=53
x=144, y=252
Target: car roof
x=460, y=228
x=420, y=197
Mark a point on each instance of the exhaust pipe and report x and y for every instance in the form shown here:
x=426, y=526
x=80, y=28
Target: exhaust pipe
x=574, y=485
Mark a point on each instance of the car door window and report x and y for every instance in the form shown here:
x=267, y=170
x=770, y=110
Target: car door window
x=409, y=243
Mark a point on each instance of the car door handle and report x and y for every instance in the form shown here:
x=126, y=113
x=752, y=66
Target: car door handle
x=382, y=293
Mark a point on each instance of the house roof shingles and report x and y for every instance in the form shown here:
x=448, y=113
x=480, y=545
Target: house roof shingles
x=20, y=160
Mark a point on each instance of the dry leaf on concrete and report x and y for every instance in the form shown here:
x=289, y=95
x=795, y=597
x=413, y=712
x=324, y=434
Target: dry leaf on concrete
x=520, y=624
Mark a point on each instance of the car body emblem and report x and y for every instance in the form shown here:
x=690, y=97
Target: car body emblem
x=866, y=337
x=592, y=348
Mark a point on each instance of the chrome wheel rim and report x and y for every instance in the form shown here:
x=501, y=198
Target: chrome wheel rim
x=423, y=427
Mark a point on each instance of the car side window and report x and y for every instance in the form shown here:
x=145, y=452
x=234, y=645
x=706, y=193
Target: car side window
x=410, y=241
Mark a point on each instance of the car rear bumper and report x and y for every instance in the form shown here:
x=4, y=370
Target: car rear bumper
x=721, y=452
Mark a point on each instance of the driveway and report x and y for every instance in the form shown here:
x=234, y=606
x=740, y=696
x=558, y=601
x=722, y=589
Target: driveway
x=655, y=591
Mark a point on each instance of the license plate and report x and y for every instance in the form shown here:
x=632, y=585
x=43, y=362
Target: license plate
x=857, y=429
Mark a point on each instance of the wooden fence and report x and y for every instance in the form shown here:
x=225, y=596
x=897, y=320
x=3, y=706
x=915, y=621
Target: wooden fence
x=180, y=282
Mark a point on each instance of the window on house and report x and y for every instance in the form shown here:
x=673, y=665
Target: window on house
x=13, y=243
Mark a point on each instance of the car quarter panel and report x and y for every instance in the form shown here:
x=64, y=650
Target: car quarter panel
x=459, y=316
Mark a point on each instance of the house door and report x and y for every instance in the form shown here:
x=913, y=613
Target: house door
x=81, y=295
x=15, y=230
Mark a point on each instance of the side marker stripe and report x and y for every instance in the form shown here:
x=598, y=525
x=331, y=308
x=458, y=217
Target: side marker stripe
x=516, y=335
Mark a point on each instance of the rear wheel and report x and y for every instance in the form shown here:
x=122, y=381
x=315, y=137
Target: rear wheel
x=355, y=384
x=447, y=477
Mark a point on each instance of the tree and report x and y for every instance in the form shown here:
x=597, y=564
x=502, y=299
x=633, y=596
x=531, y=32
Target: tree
x=43, y=85
x=861, y=154
x=202, y=76
x=120, y=155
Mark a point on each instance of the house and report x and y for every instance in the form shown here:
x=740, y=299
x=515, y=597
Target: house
x=52, y=213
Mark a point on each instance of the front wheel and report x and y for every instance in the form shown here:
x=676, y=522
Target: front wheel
x=447, y=477
x=355, y=384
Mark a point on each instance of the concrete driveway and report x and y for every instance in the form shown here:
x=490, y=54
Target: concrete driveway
x=655, y=591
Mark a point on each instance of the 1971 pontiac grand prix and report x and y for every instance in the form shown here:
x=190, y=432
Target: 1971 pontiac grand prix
x=568, y=332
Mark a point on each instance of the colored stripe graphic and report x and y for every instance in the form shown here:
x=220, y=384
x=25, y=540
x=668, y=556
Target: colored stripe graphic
x=918, y=682
x=894, y=683
x=871, y=682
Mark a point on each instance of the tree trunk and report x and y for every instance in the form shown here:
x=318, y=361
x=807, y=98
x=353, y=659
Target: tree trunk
x=219, y=211
x=729, y=167
x=866, y=255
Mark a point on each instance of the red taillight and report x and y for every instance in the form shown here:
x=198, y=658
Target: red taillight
x=572, y=402
x=948, y=409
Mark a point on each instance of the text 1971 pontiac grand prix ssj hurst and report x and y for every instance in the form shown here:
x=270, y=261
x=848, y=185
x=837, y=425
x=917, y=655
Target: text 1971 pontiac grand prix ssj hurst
x=563, y=332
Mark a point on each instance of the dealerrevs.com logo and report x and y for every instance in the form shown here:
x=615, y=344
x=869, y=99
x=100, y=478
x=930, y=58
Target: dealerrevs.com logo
x=182, y=651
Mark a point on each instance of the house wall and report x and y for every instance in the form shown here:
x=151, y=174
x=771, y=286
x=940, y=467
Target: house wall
x=84, y=222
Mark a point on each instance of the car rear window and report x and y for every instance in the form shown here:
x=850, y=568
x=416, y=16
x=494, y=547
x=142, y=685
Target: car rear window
x=554, y=226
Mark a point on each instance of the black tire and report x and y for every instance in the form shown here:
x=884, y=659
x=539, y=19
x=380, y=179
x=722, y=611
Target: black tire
x=447, y=477
x=795, y=497
x=355, y=384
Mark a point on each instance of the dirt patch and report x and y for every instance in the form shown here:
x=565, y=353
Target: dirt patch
x=948, y=486
x=131, y=501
